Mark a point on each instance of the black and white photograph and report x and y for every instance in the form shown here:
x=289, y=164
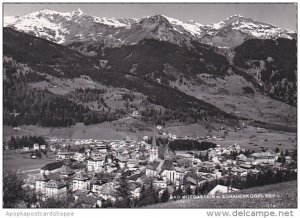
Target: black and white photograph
x=149, y=105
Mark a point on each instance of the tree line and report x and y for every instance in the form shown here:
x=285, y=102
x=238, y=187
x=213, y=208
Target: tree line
x=19, y=142
x=188, y=144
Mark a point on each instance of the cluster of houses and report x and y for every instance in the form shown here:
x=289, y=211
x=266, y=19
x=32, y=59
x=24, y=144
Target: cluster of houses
x=35, y=147
x=96, y=179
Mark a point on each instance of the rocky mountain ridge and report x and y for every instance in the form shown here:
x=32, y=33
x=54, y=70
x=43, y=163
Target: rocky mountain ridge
x=69, y=27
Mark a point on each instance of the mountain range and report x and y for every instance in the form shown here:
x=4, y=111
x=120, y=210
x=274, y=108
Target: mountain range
x=64, y=28
x=157, y=68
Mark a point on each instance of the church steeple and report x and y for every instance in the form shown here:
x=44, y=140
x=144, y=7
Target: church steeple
x=153, y=146
x=154, y=150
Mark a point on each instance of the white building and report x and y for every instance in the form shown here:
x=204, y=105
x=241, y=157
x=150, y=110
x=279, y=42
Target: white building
x=56, y=189
x=36, y=146
x=95, y=163
x=26, y=149
x=40, y=184
x=79, y=157
x=65, y=155
x=81, y=182
x=132, y=163
x=159, y=184
x=263, y=158
x=172, y=175
x=96, y=187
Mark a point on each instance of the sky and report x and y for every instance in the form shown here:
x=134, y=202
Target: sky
x=278, y=14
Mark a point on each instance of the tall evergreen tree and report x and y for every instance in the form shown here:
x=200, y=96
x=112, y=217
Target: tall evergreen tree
x=165, y=196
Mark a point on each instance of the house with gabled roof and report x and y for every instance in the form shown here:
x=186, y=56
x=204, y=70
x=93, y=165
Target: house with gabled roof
x=65, y=155
x=81, y=182
x=80, y=157
x=66, y=172
x=121, y=161
x=131, y=163
x=56, y=189
x=159, y=183
x=239, y=171
x=52, y=168
x=242, y=159
x=191, y=181
x=158, y=166
x=40, y=184
x=263, y=158
x=173, y=175
x=206, y=167
x=111, y=167
x=97, y=186
x=108, y=191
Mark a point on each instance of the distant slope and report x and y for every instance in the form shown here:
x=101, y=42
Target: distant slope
x=285, y=197
x=272, y=64
x=163, y=60
x=47, y=58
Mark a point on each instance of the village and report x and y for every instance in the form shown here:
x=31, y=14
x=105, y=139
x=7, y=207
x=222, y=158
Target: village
x=93, y=172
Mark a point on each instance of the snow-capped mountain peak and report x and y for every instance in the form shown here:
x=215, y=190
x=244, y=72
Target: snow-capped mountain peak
x=191, y=27
x=67, y=27
x=155, y=20
x=77, y=12
x=236, y=29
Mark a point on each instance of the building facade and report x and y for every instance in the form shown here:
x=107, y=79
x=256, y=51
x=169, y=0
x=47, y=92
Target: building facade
x=95, y=164
x=56, y=189
x=81, y=182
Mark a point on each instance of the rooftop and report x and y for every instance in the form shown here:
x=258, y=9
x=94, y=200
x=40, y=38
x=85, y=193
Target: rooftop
x=95, y=158
x=80, y=176
x=55, y=184
x=263, y=154
x=53, y=166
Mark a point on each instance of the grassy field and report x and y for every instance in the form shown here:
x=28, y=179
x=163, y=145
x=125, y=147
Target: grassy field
x=281, y=195
x=22, y=162
x=115, y=130
x=250, y=139
x=247, y=138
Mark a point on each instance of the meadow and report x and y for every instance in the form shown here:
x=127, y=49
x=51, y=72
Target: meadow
x=281, y=195
x=22, y=162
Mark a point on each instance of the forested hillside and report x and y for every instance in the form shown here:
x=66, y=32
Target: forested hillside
x=29, y=106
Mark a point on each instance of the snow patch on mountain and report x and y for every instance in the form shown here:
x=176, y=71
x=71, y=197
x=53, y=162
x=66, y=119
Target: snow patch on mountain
x=9, y=20
x=262, y=30
x=218, y=25
x=41, y=27
x=195, y=29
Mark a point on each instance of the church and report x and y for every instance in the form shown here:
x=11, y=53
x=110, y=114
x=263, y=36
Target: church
x=157, y=152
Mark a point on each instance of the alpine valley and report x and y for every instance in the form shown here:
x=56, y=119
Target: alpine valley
x=72, y=71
